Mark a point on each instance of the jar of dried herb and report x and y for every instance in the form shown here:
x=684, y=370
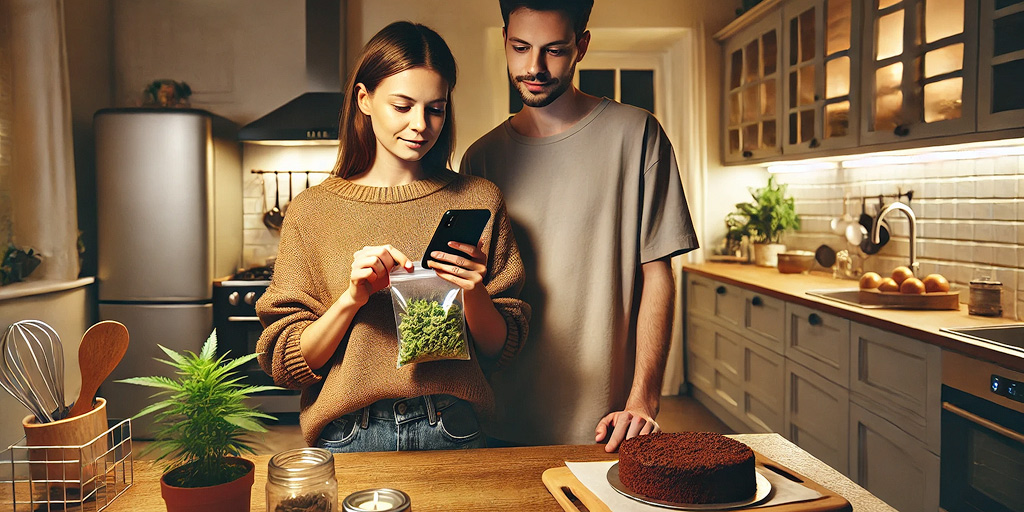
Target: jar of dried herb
x=302, y=480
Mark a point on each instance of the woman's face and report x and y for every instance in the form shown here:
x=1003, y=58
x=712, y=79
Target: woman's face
x=407, y=112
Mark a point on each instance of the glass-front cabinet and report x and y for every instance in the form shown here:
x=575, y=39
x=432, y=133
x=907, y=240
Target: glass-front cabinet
x=1001, y=65
x=919, y=70
x=821, y=74
x=752, y=93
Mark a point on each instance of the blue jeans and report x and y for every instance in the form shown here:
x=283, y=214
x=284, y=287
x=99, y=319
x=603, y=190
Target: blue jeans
x=431, y=422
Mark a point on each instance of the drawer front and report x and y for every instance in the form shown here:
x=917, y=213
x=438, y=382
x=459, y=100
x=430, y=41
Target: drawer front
x=765, y=320
x=764, y=377
x=891, y=464
x=713, y=299
x=900, y=379
x=817, y=415
x=819, y=341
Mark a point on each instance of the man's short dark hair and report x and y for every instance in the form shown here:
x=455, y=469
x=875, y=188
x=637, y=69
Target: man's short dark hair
x=578, y=11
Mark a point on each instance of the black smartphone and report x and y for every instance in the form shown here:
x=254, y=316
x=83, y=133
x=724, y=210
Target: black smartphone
x=463, y=226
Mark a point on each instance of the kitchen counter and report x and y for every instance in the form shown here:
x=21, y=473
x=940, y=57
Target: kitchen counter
x=923, y=325
x=485, y=479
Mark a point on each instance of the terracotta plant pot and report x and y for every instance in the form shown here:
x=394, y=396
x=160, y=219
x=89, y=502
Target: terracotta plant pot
x=233, y=496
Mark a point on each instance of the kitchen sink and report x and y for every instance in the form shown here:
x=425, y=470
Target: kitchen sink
x=1010, y=335
x=850, y=297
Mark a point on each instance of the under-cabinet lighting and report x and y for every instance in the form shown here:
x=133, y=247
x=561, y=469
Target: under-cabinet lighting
x=935, y=155
x=781, y=168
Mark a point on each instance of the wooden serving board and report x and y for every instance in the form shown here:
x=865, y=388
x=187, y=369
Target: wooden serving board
x=561, y=478
x=934, y=300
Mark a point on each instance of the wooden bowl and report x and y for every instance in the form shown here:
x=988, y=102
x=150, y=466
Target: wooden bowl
x=795, y=262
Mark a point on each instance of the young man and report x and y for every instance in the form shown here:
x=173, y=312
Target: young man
x=598, y=209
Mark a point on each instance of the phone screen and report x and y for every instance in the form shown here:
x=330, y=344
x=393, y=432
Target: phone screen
x=464, y=226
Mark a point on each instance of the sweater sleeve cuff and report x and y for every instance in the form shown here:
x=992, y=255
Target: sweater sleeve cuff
x=294, y=364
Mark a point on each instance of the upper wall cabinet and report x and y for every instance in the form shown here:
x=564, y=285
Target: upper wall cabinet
x=1001, y=65
x=752, y=93
x=920, y=74
x=820, y=77
x=821, y=73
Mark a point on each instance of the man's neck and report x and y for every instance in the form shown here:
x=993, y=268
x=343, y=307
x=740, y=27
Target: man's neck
x=557, y=117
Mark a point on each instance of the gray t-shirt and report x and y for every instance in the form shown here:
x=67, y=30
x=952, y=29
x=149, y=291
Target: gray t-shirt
x=588, y=206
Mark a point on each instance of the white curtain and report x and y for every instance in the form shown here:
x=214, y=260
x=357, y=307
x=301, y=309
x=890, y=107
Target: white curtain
x=692, y=156
x=40, y=182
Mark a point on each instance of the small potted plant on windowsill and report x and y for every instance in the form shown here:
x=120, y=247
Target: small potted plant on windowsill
x=203, y=422
x=764, y=221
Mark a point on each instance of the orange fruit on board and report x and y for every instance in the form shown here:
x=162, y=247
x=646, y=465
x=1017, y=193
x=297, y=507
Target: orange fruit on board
x=935, y=283
x=912, y=285
x=870, y=280
x=900, y=274
x=888, y=285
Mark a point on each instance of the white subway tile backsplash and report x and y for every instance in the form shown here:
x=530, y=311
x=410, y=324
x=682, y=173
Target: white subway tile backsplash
x=984, y=167
x=964, y=231
x=947, y=189
x=1004, y=232
x=966, y=189
x=984, y=253
x=984, y=188
x=1005, y=255
x=1004, y=210
x=1005, y=188
x=964, y=252
x=1007, y=165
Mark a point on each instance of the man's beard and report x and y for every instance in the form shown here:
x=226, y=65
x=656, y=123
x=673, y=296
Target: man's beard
x=545, y=98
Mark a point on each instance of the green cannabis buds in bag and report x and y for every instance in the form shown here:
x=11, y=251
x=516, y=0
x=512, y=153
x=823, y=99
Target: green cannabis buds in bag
x=429, y=317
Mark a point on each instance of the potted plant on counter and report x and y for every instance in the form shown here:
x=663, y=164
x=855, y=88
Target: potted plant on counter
x=765, y=220
x=203, y=423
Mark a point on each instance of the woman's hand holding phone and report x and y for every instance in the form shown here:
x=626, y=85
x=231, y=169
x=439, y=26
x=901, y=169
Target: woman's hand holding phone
x=466, y=273
x=371, y=267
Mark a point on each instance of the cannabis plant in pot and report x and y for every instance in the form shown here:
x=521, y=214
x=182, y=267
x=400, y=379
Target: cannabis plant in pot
x=765, y=219
x=203, y=424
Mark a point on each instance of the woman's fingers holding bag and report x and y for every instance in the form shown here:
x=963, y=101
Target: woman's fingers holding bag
x=388, y=256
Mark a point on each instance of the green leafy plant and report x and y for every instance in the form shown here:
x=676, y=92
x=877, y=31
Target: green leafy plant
x=428, y=332
x=766, y=218
x=202, y=416
x=17, y=264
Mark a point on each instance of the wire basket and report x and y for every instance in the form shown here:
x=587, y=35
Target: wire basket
x=86, y=478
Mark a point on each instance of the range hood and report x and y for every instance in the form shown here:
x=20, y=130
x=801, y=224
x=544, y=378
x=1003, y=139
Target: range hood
x=313, y=116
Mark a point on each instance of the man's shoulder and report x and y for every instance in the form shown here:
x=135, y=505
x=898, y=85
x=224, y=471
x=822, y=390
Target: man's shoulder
x=496, y=135
x=627, y=114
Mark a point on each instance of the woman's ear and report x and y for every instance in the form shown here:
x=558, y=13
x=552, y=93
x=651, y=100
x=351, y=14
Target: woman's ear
x=363, y=99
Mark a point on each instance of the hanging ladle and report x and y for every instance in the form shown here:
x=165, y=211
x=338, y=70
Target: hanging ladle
x=284, y=209
x=274, y=217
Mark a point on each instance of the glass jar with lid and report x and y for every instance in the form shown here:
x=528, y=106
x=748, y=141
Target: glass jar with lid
x=302, y=480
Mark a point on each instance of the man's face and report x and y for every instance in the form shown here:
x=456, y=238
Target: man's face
x=542, y=52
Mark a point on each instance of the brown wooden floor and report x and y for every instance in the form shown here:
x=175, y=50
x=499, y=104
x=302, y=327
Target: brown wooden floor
x=678, y=414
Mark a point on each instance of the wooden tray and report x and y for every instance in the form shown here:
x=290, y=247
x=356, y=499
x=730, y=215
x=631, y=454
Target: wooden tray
x=934, y=300
x=557, y=480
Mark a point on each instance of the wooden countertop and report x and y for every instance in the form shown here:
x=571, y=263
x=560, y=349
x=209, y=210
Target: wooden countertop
x=484, y=479
x=918, y=324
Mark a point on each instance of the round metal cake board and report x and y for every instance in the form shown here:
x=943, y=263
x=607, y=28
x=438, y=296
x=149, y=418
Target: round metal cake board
x=764, y=488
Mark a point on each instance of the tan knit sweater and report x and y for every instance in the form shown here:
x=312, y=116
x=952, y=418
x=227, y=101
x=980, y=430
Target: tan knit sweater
x=323, y=227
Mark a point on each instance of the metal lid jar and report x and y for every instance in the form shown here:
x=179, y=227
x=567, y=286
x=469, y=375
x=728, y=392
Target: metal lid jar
x=302, y=480
x=985, y=297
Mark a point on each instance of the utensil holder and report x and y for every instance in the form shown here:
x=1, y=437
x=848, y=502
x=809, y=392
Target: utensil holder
x=65, y=449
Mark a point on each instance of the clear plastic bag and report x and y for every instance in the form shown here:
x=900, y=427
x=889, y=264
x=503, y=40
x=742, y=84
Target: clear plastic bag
x=429, y=317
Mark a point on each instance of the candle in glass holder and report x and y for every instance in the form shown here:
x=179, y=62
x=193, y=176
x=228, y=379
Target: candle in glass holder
x=388, y=500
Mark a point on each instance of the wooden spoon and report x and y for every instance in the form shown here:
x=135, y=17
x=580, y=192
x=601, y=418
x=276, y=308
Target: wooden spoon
x=103, y=346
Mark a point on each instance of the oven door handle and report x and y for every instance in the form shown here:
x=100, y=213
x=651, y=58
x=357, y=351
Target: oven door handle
x=978, y=420
x=243, y=319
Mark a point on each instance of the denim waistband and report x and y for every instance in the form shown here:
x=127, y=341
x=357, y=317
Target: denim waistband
x=404, y=410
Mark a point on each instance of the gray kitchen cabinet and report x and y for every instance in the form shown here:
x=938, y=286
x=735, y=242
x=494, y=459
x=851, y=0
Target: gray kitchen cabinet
x=821, y=74
x=753, y=93
x=764, y=320
x=1000, y=65
x=891, y=463
x=919, y=69
x=819, y=341
x=713, y=299
x=899, y=379
x=763, y=374
x=817, y=415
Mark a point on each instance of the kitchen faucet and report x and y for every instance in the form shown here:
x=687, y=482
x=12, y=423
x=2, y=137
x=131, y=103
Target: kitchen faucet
x=876, y=227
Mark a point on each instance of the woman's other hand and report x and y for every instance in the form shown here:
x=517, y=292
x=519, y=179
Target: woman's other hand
x=371, y=267
x=467, y=274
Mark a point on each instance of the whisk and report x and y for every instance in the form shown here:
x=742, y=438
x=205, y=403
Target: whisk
x=32, y=368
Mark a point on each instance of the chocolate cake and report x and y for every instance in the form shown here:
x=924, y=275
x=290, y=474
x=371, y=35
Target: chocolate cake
x=688, y=467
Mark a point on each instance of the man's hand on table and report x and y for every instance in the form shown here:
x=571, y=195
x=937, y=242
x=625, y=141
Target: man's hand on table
x=621, y=425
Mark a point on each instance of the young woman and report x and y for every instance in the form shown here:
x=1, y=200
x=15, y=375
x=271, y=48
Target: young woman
x=329, y=323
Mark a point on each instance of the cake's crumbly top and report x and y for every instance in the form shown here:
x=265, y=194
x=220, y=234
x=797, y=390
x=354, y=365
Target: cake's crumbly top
x=685, y=450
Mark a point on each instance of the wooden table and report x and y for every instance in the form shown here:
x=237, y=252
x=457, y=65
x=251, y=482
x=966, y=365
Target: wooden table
x=483, y=479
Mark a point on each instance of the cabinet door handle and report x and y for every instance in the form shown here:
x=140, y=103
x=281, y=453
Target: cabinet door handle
x=756, y=301
x=748, y=154
x=814, y=319
x=814, y=143
x=901, y=131
x=720, y=290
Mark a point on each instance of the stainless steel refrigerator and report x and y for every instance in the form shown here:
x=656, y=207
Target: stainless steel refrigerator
x=169, y=212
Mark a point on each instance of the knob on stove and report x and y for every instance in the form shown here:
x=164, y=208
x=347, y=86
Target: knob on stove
x=233, y=298
x=250, y=298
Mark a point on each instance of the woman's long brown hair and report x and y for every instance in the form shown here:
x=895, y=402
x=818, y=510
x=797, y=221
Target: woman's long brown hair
x=397, y=47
